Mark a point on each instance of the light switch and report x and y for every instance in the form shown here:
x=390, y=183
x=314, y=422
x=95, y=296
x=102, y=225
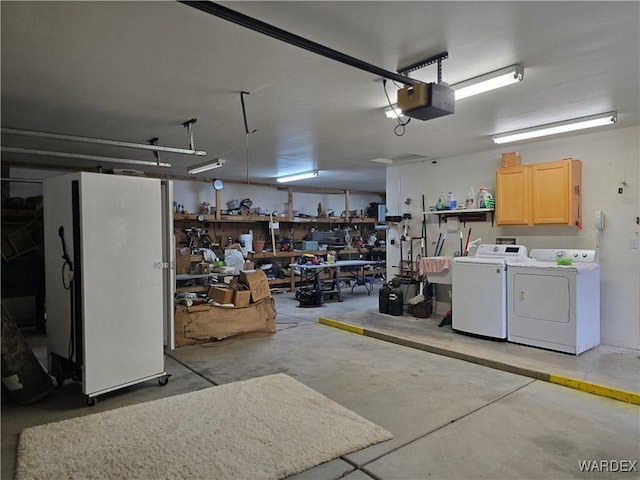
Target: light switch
x=633, y=243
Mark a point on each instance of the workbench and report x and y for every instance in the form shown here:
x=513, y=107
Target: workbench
x=334, y=268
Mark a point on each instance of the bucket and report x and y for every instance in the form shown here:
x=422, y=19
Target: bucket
x=421, y=309
x=246, y=242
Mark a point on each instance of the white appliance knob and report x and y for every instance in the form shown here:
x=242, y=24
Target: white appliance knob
x=584, y=255
x=496, y=248
x=575, y=255
x=560, y=254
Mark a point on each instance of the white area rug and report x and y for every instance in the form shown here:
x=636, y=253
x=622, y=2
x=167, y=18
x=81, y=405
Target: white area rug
x=264, y=428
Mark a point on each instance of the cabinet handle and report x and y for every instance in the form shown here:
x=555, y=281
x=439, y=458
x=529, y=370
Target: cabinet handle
x=522, y=295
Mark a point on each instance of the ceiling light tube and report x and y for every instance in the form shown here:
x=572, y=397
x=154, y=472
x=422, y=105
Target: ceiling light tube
x=488, y=81
x=608, y=118
x=101, y=141
x=203, y=167
x=298, y=176
x=82, y=156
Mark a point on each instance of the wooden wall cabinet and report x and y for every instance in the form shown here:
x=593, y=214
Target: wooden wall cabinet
x=512, y=195
x=547, y=193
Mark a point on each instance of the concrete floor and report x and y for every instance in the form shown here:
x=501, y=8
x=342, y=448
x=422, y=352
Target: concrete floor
x=450, y=418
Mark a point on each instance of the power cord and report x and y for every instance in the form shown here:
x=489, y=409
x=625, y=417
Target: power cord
x=68, y=265
x=399, y=129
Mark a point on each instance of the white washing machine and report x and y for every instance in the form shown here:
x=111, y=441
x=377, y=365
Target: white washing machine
x=479, y=290
x=555, y=306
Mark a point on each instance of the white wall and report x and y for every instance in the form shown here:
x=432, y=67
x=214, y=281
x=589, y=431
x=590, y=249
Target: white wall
x=270, y=199
x=608, y=158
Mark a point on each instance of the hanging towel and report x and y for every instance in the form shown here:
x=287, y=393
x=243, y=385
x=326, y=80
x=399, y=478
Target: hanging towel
x=433, y=265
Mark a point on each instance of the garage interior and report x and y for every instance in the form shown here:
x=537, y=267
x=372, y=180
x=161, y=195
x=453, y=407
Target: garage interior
x=149, y=91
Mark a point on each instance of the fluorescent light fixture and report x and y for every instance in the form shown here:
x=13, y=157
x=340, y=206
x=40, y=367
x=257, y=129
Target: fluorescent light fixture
x=488, y=81
x=393, y=111
x=386, y=161
x=298, y=176
x=608, y=118
x=203, y=167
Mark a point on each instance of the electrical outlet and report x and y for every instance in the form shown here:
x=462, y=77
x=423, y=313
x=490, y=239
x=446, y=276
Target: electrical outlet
x=633, y=243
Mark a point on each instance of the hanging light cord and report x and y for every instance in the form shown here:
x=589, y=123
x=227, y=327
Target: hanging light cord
x=399, y=129
x=246, y=129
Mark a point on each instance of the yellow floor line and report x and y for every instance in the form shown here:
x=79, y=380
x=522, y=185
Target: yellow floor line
x=341, y=325
x=615, y=393
x=575, y=383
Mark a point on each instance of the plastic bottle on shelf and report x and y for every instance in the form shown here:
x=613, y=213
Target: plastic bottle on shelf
x=485, y=198
x=451, y=201
x=471, y=199
x=442, y=202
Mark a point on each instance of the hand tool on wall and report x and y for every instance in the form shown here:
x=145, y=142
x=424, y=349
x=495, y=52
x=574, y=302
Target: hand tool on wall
x=466, y=245
x=436, y=252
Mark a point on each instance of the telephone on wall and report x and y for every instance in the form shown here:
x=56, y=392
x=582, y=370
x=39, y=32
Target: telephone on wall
x=599, y=220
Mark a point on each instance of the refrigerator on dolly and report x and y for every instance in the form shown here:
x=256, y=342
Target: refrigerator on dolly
x=109, y=273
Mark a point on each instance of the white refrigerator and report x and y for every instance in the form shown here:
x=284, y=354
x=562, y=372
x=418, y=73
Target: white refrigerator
x=109, y=271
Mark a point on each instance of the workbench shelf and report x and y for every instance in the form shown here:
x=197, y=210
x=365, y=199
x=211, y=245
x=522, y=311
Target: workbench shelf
x=264, y=218
x=465, y=214
x=290, y=257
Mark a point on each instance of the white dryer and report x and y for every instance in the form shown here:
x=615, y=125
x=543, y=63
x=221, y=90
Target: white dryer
x=479, y=293
x=555, y=306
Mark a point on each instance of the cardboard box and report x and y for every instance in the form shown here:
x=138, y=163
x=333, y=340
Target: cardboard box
x=510, y=159
x=183, y=260
x=221, y=294
x=204, y=268
x=241, y=298
x=415, y=96
x=216, y=323
x=257, y=282
x=248, y=265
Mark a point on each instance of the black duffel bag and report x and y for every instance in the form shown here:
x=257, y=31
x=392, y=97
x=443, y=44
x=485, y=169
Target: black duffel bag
x=309, y=297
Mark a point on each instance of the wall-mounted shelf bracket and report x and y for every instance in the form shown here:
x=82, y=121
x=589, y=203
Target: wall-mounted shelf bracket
x=466, y=215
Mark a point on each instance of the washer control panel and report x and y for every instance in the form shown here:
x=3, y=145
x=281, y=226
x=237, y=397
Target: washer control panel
x=552, y=254
x=501, y=251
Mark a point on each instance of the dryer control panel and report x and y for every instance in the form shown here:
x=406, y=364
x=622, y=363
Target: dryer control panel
x=552, y=254
x=501, y=251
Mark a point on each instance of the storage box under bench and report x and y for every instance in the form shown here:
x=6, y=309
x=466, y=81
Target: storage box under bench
x=204, y=323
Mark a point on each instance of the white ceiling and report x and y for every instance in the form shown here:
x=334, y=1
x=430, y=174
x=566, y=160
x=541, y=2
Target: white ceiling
x=131, y=71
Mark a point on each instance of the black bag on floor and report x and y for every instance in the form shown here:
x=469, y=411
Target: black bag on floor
x=309, y=297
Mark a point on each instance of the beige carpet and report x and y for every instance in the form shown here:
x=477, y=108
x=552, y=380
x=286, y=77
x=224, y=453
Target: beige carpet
x=264, y=428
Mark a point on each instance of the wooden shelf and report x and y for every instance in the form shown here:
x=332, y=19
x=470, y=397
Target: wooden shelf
x=193, y=288
x=466, y=214
x=264, y=218
x=297, y=253
x=22, y=213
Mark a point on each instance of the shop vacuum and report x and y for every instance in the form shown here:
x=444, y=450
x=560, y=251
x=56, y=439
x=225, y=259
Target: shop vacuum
x=383, y=298
x=390, y=298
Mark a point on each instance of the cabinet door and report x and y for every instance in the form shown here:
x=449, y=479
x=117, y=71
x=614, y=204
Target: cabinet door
x=551, y=192
x=512, y=196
